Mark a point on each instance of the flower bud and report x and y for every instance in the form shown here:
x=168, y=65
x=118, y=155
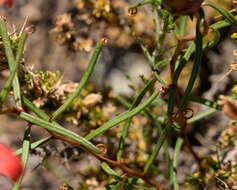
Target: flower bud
x=10, y=164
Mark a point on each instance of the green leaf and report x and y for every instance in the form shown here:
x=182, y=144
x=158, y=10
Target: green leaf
x=206, y=102
x=35, y=144
x=197, y=62
x=159, y=144
x=121, y=117
x=202, y=115
x=83, y=81
x=113, y=186
x=60, y=131
x=142, y=187
x=7, y=86
x=222, y=24
x=213, y=42
x=145, y=2
x=183, y=26
x=24, y=157
x=144, y=49
x=36, y=110
x=40, y=113
x=11, y=61
x=178, y=146
x=223, y=12
x=126, y=126
x=161, y=65
x=172, y=96
x=110, y=171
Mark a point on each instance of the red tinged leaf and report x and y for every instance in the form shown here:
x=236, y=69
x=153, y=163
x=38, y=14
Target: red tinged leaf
x=10, y=164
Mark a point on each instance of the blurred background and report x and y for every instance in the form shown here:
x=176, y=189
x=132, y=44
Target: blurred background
x=66, y=32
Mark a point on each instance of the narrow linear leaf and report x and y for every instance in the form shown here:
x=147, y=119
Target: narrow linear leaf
x=147, y=111
x=83, y=81
x=159, y=144
x=197, y=61
x=110, y=171
x=122, y=101
x=215, y=26
x=7, y=86
x=189, y=52
x=142, y=187
x=126, y=125
x=121, y=117
x=11, y=60
x=223, y=12
x=40, y=113
x=211, y=43
x=159, y=79
x=145, y=2
x=34, y=145
x=178, y=146
x=183, y=25
x=169, y=162
x=222, y=24
x=60, y=131
x=113, y=186
x=144, y=49
x=206, y=102
x=156, y=122
x=26, y=146
x=172, y=96
x=186, y=57
x=161, y=65
x=24, y=156
x=202, y=115
x=123, y=138
x=6, y=42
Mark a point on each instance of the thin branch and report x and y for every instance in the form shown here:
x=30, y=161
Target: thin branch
x=113, y=163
